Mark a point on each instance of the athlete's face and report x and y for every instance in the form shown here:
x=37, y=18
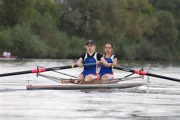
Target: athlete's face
x=108, y=49
x=90, y=48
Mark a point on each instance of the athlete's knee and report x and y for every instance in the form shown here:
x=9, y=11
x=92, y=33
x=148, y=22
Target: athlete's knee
x=88, y=78
x=104, y=77
x=80, y=78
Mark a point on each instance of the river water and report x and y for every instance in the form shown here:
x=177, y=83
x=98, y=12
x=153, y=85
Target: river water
x=160, y=101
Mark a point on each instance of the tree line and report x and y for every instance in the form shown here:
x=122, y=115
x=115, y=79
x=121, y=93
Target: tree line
x=139, y=29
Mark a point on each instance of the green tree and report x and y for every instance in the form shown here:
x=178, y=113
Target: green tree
x=139, y=29
x=13, y=12
x=90, y=18
x=25, y=43
x=6, y=44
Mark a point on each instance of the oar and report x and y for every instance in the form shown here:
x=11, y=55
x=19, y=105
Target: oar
x=39, y=70
x=65, y=74
x=141, y=72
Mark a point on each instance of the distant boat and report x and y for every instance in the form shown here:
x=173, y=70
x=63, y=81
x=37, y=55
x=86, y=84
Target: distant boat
x=7, y=56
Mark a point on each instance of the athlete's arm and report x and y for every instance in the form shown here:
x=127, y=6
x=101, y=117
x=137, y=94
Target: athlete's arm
x=105, y=63
x=114, y=62
x=80, y=60
x=102, y=60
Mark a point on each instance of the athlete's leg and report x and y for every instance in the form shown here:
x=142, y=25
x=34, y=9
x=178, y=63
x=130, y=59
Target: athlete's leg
x=106, y=77
x=91, y=78
x=80, y=78
x=88, y=79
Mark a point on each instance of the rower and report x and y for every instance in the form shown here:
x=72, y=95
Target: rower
x=107, y=73
x=89, y=74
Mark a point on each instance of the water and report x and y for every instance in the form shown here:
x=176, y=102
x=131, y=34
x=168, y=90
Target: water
x=160, y=101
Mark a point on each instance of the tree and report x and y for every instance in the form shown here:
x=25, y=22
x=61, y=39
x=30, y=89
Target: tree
x=13, y=12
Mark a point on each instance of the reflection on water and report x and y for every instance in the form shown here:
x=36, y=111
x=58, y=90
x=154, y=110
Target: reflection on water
x=161, y=101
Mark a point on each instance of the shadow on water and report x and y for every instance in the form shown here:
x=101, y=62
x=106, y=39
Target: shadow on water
x=129, y=90
x=11, y=90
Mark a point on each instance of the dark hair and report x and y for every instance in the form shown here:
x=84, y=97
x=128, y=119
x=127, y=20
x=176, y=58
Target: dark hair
x=111, y=46
x=108, y=43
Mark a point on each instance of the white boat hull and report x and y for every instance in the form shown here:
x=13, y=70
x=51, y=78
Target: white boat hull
x=121, y=85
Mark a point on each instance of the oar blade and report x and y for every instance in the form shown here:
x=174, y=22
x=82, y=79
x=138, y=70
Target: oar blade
x=163, y=77
x=141, y=72
x=15, y=73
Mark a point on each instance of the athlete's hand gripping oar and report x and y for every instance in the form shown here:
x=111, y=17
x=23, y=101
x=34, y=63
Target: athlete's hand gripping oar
x=141, y=72
x=39, y=70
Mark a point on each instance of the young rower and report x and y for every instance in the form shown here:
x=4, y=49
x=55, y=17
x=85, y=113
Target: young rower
x=107, y=73
x=89, y=74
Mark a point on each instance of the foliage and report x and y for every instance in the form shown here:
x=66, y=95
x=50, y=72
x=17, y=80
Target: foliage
x=139, y=29
x=25, y=43
x=6, y=44
x=13, y=12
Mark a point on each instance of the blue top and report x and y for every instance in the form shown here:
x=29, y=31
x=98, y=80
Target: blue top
x=90, y=59
x=107, y=70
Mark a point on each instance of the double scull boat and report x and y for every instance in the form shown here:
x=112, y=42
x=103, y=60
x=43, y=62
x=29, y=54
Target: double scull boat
x=71, y=86
x=111, y=84
x=117, y=83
